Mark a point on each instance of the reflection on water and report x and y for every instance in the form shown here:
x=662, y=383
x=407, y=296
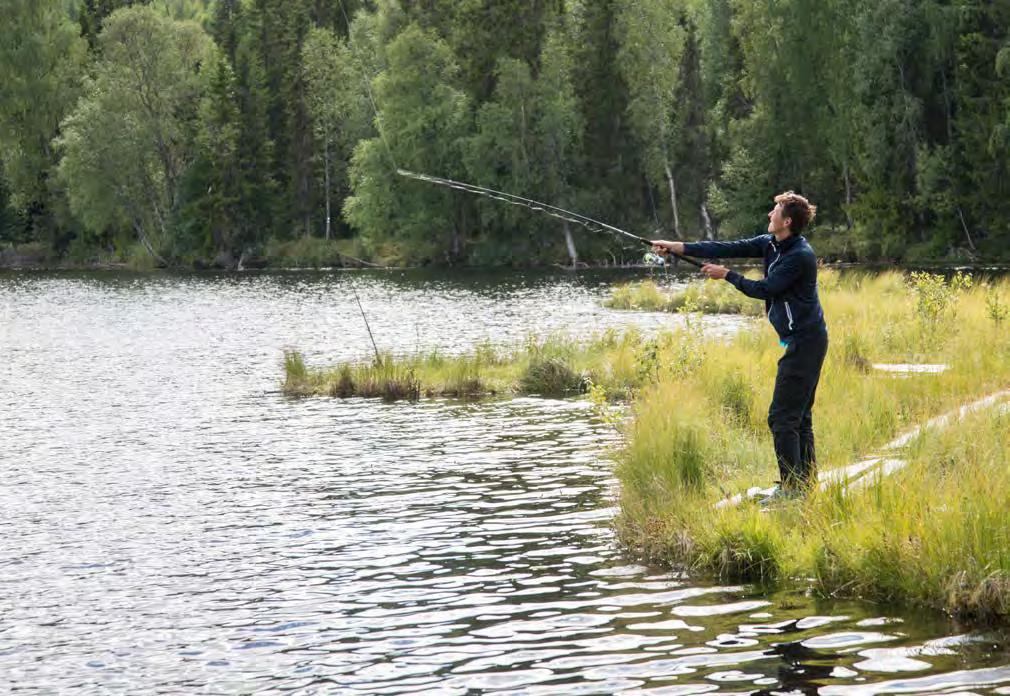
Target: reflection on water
x=172, y=524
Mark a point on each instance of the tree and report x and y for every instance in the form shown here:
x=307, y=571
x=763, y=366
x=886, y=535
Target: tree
x=482, y=32
x=92, y=13
x=146, y=91
x=337, y=105
x=652, y=47
x=980, y=126
x=558, y=128
x=41, y=59
x=610, y=181
x=216, y=177
x=525, y=144
x=423, y=117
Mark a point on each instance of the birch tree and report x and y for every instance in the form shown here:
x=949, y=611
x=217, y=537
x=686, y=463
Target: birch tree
x=652, y=42
x=129, y=141
x=338, y=107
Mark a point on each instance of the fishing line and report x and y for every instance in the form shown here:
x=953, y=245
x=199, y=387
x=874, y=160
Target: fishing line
x=378, y=358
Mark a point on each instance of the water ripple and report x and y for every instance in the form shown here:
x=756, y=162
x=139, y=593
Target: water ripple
x=173, y=524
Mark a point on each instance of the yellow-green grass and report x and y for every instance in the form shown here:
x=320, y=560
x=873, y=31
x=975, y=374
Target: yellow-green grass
x=935, y=533
x=611, y=364
x=709, y=297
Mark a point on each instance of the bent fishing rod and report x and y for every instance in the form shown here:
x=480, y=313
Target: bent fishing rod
x=552, y=210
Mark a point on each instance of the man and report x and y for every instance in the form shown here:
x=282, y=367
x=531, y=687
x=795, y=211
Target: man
x=789, y=290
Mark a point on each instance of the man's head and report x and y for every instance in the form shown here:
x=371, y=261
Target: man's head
x=791, y=214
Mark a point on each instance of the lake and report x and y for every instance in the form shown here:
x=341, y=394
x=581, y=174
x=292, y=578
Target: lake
x=173, y=524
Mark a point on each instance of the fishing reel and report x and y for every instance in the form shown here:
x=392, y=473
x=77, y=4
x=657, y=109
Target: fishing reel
x=651, y=258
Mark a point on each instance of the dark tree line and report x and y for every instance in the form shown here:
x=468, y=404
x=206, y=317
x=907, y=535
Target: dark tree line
x=189, y=132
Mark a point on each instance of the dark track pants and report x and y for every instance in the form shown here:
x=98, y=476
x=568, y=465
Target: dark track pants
x=789, y=414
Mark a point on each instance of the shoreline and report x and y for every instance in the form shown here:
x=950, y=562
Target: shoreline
x=932, y=535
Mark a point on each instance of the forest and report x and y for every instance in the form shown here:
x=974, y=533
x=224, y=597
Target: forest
x=236, y=133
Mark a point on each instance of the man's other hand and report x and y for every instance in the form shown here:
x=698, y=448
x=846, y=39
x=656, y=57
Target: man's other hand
x=661, y=246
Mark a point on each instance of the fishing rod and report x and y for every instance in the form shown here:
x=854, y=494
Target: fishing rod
x=546, y=208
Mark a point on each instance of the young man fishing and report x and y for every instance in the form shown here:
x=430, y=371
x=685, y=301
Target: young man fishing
x=789, y=290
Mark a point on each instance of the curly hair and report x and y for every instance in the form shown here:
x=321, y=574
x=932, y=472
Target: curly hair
x=798, y=209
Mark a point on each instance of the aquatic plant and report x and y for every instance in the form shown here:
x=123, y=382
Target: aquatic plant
x=551, y=376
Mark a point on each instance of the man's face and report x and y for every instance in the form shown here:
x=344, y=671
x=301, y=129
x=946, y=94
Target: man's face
x=776, y=223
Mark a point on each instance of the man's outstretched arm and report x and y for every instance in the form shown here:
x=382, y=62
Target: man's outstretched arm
x=740, y=249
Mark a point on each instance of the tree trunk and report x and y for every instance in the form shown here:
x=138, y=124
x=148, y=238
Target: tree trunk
x=456, y=241
x=673, y=201
x=326, y=181
x=138, y=228
x=652, y=203
x=964, y=225
x=570, y=243
x=709, y=232
x=848, y=196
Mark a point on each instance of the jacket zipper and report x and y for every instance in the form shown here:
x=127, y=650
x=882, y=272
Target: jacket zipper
x=777, y=259
x=789, y=313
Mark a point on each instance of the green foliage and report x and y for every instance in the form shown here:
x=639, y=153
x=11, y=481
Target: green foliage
x=652, y=41
x=526, y=141
x=995, y=306
x=893, y=116
x=936, y=300
x=422, y=119
x=304, y=252
x=41, y=71
x=146, y=91
x=339, y=110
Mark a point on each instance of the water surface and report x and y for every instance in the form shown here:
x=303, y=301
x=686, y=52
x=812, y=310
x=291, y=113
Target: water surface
x=173, y=524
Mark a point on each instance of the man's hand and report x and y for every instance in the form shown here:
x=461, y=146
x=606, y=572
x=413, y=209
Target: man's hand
x=663, y=247
x=714, y=271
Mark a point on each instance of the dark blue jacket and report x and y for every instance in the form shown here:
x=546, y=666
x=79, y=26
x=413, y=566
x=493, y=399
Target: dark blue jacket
x=789, y=288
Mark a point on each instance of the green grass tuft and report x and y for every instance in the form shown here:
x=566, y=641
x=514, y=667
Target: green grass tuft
x=549, y=376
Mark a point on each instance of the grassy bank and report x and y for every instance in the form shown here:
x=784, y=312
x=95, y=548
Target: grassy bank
x=936, y=533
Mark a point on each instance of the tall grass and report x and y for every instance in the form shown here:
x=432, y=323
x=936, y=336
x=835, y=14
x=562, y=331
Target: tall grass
x=710, y=297
x=936, y=533
x=555, y=366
